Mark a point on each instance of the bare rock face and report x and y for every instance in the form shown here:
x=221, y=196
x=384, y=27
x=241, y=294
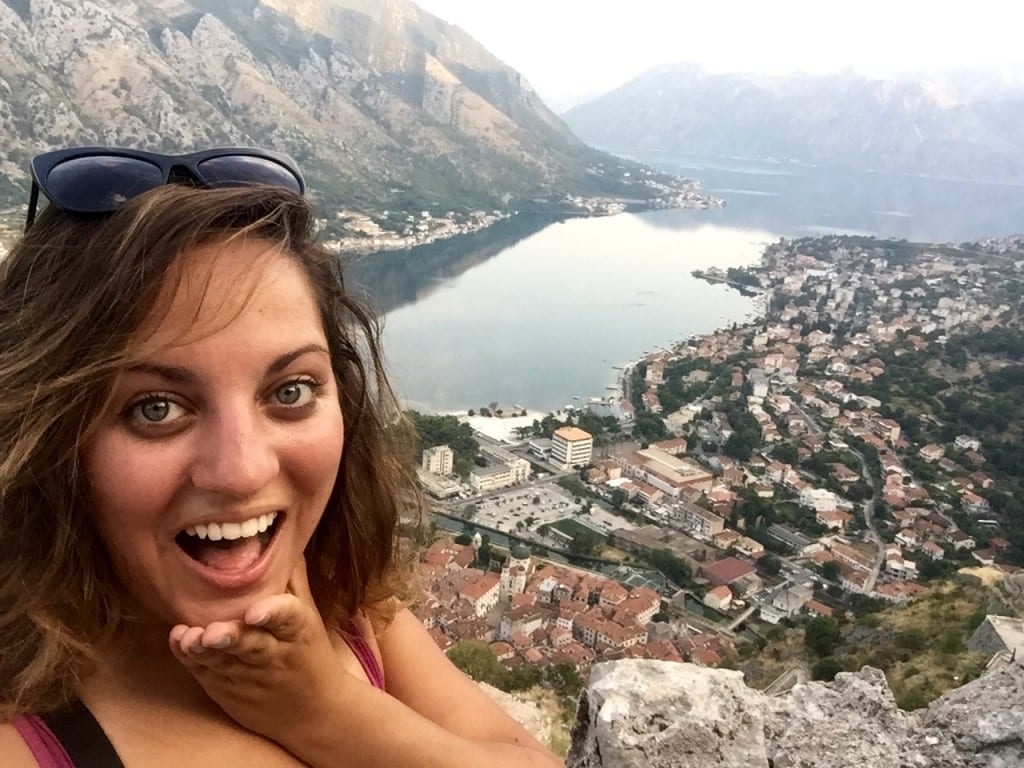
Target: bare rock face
x=665, y=715
x=527, y=714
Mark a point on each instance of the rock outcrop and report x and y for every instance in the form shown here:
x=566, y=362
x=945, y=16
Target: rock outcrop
x=665, y=715
x=541, y=721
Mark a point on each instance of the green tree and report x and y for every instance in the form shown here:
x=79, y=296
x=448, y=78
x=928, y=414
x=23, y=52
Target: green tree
x=831, y=571
x=821, y=635
x=678, y=571
x=476, y=659
x=826, y=669
x=771, y=564
x=787, y=453
x=585, y=542
x=522, y=678
x=434, y=429
x=564, y=679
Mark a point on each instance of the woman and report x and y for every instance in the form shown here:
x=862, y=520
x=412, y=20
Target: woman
x=199, y=488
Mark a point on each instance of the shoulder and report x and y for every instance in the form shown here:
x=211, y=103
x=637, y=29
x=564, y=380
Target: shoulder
x=14, y=749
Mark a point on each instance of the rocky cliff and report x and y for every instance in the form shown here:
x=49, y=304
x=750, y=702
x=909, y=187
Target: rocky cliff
x=382, y=104
x=666, y=715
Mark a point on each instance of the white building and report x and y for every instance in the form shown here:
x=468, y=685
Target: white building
x=818, y=499
x=439, y=460
x=519, y=467
x=571, y=446
x=515, y=572
x=483, y=479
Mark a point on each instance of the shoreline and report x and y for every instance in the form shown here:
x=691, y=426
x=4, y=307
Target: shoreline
x=612, y=394
x=383, y=241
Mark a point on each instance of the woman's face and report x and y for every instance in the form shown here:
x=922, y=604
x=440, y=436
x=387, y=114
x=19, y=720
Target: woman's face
x=214, y=464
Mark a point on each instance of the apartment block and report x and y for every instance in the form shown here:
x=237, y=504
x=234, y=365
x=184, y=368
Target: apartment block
x=439, y=460
x=571, y=446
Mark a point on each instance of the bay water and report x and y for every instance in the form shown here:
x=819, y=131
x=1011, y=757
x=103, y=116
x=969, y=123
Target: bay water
x=538, y=312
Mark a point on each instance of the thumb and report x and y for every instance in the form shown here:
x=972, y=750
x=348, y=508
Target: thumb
x=283, y=616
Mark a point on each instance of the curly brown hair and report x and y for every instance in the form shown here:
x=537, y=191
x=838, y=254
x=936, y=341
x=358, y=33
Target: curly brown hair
x=73, y=292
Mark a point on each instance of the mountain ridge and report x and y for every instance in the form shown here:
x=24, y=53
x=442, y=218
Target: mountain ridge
x=935, y=127
x=383, y=105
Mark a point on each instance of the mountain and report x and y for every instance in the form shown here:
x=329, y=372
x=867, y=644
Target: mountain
x=942, y=126
x=382, y=104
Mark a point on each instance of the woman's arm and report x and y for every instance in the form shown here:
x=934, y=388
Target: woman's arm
x=277, y=674
x=419, y=675
x=432, y=716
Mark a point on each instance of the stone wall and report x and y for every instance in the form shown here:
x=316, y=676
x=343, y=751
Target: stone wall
x=653, y=714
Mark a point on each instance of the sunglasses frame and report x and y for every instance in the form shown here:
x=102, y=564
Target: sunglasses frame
x=42, y=165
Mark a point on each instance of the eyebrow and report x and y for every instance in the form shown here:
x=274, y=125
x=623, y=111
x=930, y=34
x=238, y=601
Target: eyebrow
x=182, y=375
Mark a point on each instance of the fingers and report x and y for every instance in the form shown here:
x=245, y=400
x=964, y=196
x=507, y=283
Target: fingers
x=204, y=646
x=283, y=616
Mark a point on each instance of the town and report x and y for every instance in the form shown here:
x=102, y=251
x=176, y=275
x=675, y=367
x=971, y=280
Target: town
x=819, y=456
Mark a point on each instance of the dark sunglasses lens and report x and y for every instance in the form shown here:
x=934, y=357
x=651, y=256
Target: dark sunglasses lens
x=239, y=170
x=100, y=184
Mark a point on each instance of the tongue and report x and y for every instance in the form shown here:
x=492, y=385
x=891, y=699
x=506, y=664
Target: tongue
x=230, y=555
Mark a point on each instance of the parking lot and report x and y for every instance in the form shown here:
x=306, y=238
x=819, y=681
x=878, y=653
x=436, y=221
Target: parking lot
x=517, y=511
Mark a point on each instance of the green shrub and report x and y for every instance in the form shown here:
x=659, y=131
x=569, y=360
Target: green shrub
x=826, y=669
x=911, y=639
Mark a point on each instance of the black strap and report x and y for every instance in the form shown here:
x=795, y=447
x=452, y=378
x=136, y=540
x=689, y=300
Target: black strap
x=82, y=737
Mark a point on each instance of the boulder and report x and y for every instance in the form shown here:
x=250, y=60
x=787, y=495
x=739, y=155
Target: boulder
x=666, y=715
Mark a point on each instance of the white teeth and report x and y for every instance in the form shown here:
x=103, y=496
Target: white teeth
x=232, y=531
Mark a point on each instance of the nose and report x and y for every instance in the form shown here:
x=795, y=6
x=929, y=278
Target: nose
x=236, y=454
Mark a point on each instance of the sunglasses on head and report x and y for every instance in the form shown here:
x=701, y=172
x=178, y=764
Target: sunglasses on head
x=102, y=179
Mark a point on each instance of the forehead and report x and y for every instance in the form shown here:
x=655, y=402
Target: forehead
x=215, y=286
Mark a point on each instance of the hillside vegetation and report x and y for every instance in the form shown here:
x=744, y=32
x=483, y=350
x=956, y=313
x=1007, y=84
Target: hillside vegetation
x=921, y=646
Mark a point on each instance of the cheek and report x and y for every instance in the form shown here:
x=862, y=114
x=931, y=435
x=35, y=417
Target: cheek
x=317, y=460
x=127, y=486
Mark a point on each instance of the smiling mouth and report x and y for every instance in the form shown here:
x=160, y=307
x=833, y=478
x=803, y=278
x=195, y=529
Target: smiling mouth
x=229, y=546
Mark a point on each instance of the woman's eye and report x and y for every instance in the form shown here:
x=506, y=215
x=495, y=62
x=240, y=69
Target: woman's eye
x=157, y=410
x=295, y=393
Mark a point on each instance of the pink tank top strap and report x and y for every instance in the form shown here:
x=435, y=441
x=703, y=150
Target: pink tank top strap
x=43, y=745
x=353, y=637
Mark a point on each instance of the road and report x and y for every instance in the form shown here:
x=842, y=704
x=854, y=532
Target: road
x=868, y=508
x=869, y=521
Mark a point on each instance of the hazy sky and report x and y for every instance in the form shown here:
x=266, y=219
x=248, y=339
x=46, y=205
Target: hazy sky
x=573, y=48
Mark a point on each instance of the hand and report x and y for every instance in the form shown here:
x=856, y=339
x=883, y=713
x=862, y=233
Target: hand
x=273, y=671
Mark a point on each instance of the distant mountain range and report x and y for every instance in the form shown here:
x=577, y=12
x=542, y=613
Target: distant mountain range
x=969, y=126
x=382, y=104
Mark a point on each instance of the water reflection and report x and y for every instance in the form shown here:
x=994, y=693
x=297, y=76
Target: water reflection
x=395, y=278
x=545, y=320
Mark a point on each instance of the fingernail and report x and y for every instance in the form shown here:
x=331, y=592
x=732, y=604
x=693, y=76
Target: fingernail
x=197, y=648
x=260, y=620
x=220, y=642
